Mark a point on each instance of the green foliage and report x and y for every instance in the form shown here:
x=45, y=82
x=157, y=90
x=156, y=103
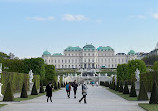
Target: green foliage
x=121, y=87
x=149, y=107
x=142, y=92
x=50, y=75
x=136, y=64
x=122, y=72
x=148, y=79
x=117, y=86
x=61, y=81
x=155, y=66
x=154, y=94
x=133, y=91
x=106, y=83
x=59, y=85
x=3, y=55
x=36, y=65
x=55, y=86
x=126, y=90
x=41, y=87
x=34, y=89
x=149, y=60
x=16, y=81
x=23, y=92
x=102, y=83
x=8, y=95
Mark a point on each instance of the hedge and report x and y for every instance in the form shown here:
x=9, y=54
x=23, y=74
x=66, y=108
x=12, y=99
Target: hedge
x=16, y=80
x=148, y=79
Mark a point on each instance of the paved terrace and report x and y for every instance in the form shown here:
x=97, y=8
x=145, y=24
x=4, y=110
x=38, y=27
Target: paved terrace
x=98, y=99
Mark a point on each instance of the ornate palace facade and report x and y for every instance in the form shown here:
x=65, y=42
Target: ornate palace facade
x=88, y=57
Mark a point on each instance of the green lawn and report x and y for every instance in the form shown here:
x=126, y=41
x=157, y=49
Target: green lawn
x=125, y=96
x=29, y=97
x=1, y=105
x=149, y=107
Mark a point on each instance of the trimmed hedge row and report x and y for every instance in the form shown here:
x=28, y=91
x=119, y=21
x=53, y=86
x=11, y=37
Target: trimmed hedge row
x=148, y=79
x=16, y=81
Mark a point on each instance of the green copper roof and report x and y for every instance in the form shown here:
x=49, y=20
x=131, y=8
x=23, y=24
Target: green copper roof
x=57, y=54
x=108, y=48
x=73, y=48
x=89, y=47
x=46, y=53
x=131, y=52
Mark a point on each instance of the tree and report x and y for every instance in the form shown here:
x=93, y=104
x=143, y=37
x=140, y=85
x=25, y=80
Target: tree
x=8, y=95
x=59, y=85
x=121, y=87
x=126, y=90
x=135, y=64
x=41, y=87
x=36, y=65
x=50, y=74
x=34, y=89
x=23, y=92
x=155, y=65
x=149, y=60
x=117, y=86
x=55, y=86
x=154, y=94
x=133, y=91
x=142, y=92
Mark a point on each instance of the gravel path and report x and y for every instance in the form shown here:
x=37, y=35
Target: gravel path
x=98, y=99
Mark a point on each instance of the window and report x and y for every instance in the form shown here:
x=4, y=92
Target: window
x=72, y=60
x=55, y=61
x=89, y=54
x=65, y=60
x=62, y=61
x=69, y=60
x=89, y=60
x=58, y=61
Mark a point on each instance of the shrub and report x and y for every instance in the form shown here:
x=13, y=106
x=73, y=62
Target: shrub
x=121, y=87
x=102, y=83
x=148, y=79
x=34, y=89
x=117, y=87
x=8, y=95
x=142, y=92
x=107, y=84
x=133, y=91
x=113, y=86
x=41, y=87
x=154, y=94
x=23, y=92
x=59, y=85
x=55, y=86
x=126, y=90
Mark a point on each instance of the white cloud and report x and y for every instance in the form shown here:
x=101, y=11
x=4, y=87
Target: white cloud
x=70, y=17
x=138, y=16
x=155, y=15
x=50, y=18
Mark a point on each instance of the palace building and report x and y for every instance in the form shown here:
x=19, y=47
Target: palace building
x=87, y=57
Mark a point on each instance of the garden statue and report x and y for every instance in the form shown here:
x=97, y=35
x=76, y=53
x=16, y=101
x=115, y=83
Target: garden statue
x=30, y=78
x=137, y=83
x=106, y=75
x=137, y=74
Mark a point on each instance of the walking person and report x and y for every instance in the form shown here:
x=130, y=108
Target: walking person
x=68, y=89
x=84, y=93
x=49, y=92
x=75, y=85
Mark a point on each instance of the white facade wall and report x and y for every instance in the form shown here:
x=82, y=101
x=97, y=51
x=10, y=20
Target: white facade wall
x=87, y=59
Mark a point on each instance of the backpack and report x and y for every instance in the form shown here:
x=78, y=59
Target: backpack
x=67, y=87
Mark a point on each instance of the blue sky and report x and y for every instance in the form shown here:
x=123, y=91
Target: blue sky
x=28, y=27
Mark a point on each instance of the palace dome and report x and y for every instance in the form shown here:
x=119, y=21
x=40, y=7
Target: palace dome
x=131, y=52
x=101, y=48
x=57, y=54
x=89, y=47
x=73, y=48
x=46, y=53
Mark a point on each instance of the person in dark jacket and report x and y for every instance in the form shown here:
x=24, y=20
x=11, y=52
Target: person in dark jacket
x=49, y=92
x=75, y=85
